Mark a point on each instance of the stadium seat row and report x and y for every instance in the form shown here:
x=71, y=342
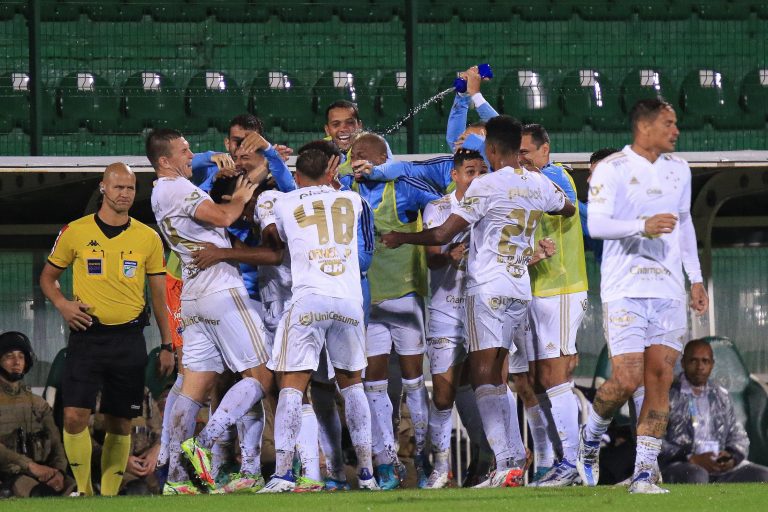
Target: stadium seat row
x=434, y=11
x=564, y=102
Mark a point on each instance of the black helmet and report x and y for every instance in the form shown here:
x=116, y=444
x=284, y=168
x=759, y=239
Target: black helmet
x=13, y=340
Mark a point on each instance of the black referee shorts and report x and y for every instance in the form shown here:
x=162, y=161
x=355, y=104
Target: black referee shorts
x=110, y=360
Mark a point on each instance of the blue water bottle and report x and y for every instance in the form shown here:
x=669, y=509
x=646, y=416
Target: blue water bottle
x=460, y=84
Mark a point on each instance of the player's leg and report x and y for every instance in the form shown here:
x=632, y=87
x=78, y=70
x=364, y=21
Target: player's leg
x=407, y=328
x=625, y=328
x=517, y=365
x=173, y=304
x=222, y=450
x=378, y=348
x=444, y=384
x=329, y=426
x=667, y=329
x=121, y=400
x=308, y=451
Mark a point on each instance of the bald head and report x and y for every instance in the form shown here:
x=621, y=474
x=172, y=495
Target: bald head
x=118, y=188
x=370, y=147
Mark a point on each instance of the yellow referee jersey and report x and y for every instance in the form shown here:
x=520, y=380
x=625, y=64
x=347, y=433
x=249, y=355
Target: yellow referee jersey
x=109, y=274
x=566, y=271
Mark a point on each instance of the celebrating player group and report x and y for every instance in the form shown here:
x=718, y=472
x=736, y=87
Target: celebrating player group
x=299, y=293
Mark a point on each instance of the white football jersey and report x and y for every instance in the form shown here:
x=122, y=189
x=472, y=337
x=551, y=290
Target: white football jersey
x=274, y=280
x=504, y=208
x=626, y=186
x=446, y=283
x=174, y=201
x=320, y=225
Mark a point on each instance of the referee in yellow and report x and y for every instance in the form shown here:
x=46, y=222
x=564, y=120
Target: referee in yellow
x=112, y=256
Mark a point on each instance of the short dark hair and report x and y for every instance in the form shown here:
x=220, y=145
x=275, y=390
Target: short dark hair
x=312, y=163
x=157, y=143
x=462, y=155
x=538, y=134
x=343, y=104
x=326, y=146
x=601, y=154
x=248, y=122
x=647, y=109
x=698, y=342
x=504, y=132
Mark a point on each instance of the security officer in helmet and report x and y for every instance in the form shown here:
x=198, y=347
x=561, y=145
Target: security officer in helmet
x=32, y=459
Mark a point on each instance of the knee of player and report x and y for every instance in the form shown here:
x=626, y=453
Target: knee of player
x=443, y=399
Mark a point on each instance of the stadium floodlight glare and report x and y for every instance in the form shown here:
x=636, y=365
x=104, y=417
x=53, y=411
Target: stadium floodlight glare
x=279, y=80
x=150, y=81
x=534, y=96
x=589, y=78
x=215, y=80
x=20, y=81
x=650, y=78
x=400, y=78
x=763, y=77
x=85, y=82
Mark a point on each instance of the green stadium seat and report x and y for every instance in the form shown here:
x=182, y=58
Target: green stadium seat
x=86, y=100
x=303, y=11
x=532, y=97
x=279, y=99
x=9, y=9
x=213, y=98
x=588, y=94
x=151, y=100
x=749, y=396
x=179, y=10
x=662, y=10
x=761, y=8
x=753, y=95
x=605, y=10
x=645, y=83
x=433, y=118
x=709, y=96
x=547, y=10
x=391, y=101
x=722, y=9
x=60, y=10
x=14, y=101
x=485, y=10
x=240, y=11
x=112, y=10
x=365, y=11
x=434, y=11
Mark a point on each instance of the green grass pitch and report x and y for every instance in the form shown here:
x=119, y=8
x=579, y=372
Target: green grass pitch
x=682, y=498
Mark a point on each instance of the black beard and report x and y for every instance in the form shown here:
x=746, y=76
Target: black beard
x=11, y=377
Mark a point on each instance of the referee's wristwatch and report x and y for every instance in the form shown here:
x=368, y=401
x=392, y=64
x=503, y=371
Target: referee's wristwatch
x=167, y=346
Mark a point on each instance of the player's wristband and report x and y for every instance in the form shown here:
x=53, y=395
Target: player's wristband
x=167, y=347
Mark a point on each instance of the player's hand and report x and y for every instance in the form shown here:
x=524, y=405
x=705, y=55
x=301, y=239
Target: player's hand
x=57, y=481
x=208, y=256
x=390, y=240
x=725, y=461
x=332, y=169
x=699, y=298
x=660, y=224
x=548, y=246
x=362, y=169
x=706, y=461
x=456, y=253
x=224, y=162
x=42, y=473
x=473, y=80
x=74, y=313
x=244, y=189
x=284, y=151
x=165, y=363
x=137, y=466
x=253, y=142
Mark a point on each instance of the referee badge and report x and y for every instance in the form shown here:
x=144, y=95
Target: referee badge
x=129, y=268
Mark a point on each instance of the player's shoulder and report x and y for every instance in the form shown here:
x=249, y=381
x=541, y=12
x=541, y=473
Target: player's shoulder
x=616, y=160
x=272, y=195
x=672, y=159
x=415, y=183
x=441, y=203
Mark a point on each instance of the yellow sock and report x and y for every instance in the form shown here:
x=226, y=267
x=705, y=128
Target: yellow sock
x=114, y=458
x=78, y=450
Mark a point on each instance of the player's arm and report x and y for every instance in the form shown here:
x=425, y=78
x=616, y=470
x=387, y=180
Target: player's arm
x=223, y=215
x=73, y=312
x=283, y=178
x=160, y=311
x=439, y=235
x=603, y=188
x=210, y=255
x=690, y=255
x=484, y=109
x=457, y=120
x=365, y=237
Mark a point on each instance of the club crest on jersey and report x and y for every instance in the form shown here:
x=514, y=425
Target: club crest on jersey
x=129, y=268
x=305, y=319
x=595, y=190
